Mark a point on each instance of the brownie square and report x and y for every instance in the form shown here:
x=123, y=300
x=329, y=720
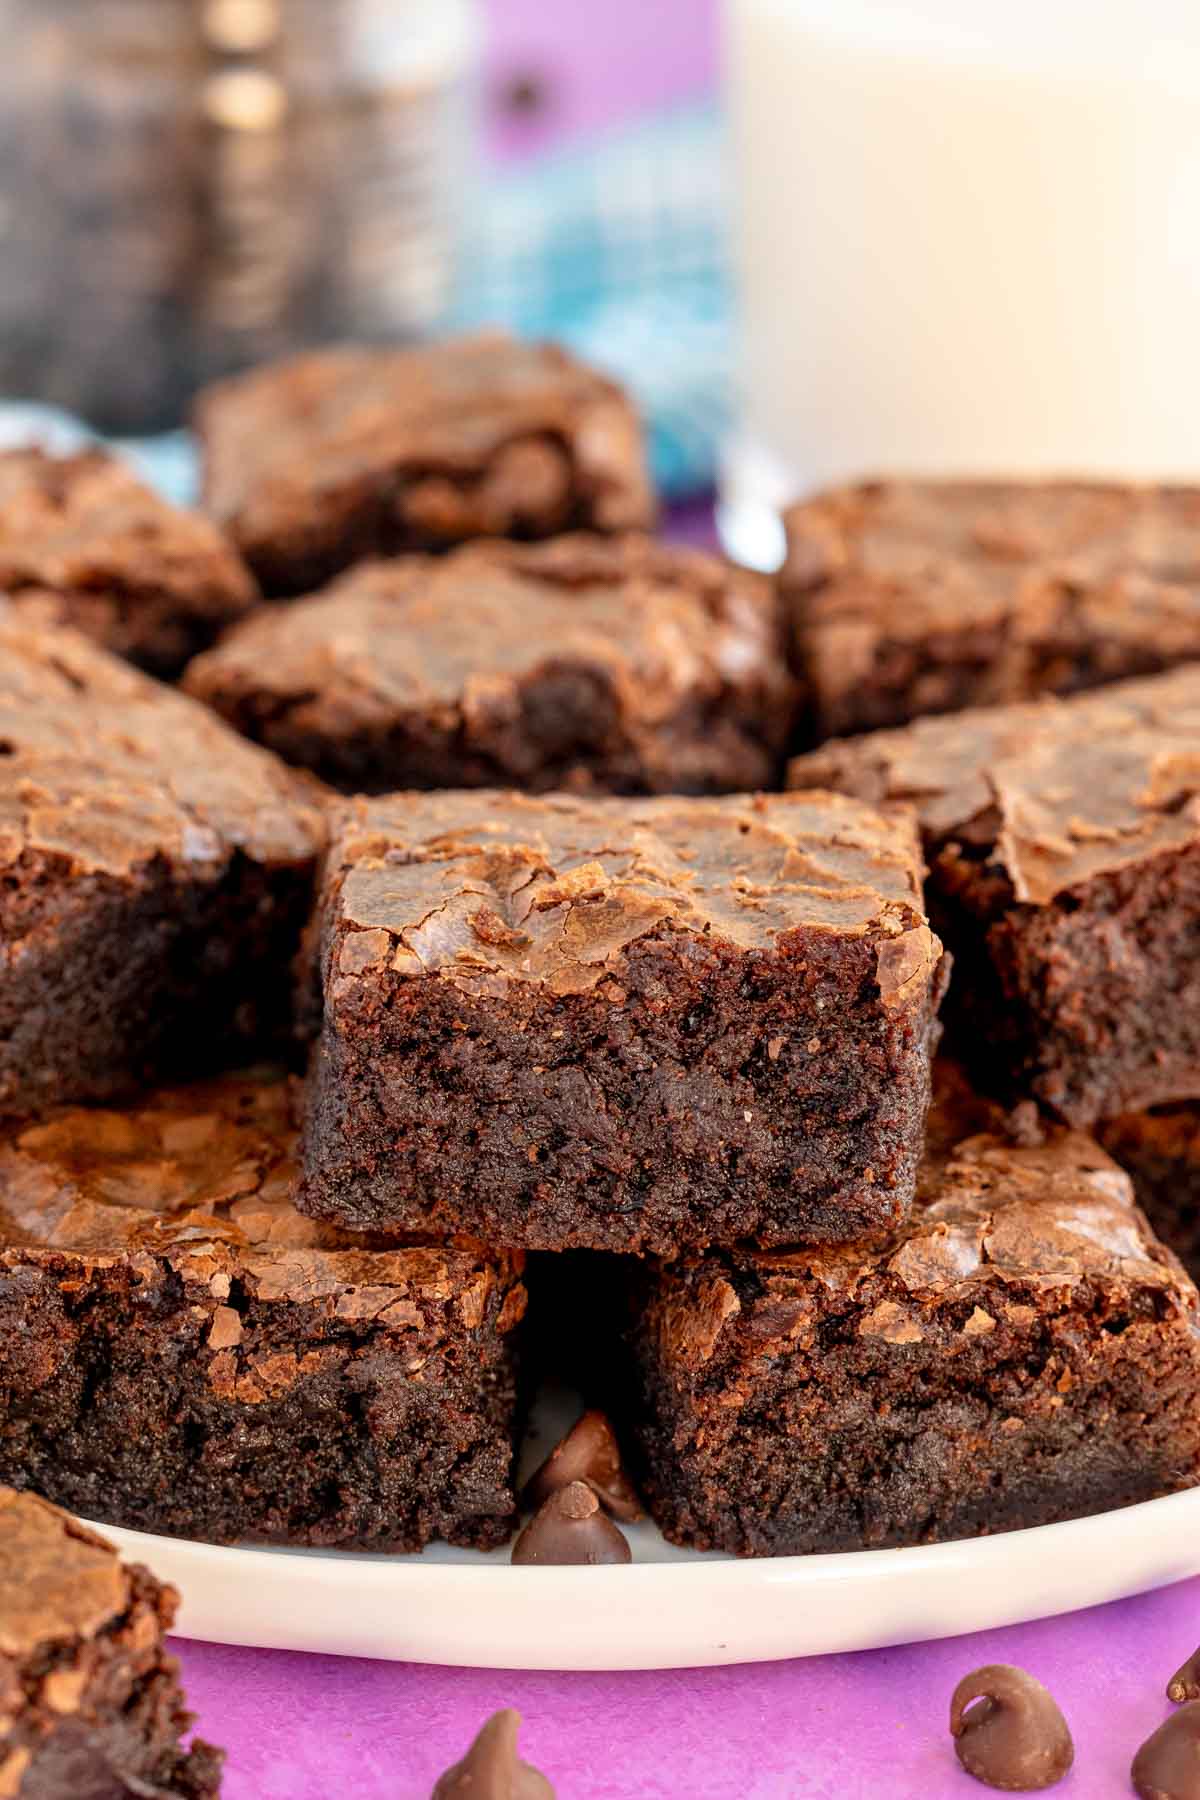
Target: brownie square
x=1023, y=1350
x=597, y=664
x=91, y=1701
x=183, y=1353
x=1063, y=840
x=912, y=597
x=313, y=464
x=1160, y=1151
x=155, y=874
x=620, y=1025
x=102, y=552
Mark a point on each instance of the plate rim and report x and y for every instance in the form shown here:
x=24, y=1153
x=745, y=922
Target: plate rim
x=1154, y=1535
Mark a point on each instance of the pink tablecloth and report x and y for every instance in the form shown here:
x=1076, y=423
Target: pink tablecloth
x=868, y=1727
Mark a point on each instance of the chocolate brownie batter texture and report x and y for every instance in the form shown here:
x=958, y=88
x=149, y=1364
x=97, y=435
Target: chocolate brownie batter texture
x=615, y=665
x=910, y=597
x=89, y=1702
x=184, y=1353
x=155, y=874
x=95, y=548
x=313, y=464
x=591, y=1024
x=1063, y=841
x=1024, y=1350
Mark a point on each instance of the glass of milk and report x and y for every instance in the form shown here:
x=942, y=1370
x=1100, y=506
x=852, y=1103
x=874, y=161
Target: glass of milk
x=968, y=241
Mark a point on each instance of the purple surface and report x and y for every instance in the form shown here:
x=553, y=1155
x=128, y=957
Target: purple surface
x=869, y=1727
x=866, y=1727
x=592, y=65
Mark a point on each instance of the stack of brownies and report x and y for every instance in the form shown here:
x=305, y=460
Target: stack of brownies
x=475, y=905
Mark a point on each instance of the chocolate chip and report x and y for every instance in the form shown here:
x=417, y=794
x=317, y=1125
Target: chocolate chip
x=588, y=1453
x=1014, y=1737
x=526, y=93
x=1167, y=1767
x=571, y=1528
x=492, y=1770
x=1185, y=1682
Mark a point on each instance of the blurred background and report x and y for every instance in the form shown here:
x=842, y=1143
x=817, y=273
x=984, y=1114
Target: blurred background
x=191, y=186
x=966, y=232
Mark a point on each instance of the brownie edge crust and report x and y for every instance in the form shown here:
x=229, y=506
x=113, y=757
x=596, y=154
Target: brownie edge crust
x=181, y=1352
x=1063, y=842
x=155, y=874
x=90, y=1705
x=620, y=1025
x=315, y=463
x=1024, y=1351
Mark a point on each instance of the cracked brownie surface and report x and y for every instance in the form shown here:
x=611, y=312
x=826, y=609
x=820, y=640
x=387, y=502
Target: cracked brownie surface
x=1063, y=840
x=620, y=1025
x=313, y=464
x=91, y=546
x=186, y=1354
x=1023, y=1350
x=609, y=664
x=913, y=597
x=155, y=872
x=90, y=1704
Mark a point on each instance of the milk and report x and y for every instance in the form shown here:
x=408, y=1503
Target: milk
x=968, y=240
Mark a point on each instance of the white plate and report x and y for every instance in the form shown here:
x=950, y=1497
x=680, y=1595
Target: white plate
x=670, y=1608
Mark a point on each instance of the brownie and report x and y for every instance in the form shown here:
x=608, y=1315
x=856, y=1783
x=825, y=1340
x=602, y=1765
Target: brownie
x=1160, y=1150
x=155, y=873
x=912, y=597
x=605, y=664
x=90, y=1703
x=105, y=554
x=181, y=1352
x=313, y=464
x=1063, y=838
x=622, y=1025
x=1023, y=1350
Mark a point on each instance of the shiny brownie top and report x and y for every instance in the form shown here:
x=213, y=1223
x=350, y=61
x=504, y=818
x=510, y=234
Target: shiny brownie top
x=103, y=769
x=487, y=887
x=203, y=1176
x=667, y=629
x=1002, y=1231
x=1047, y=561
x=1053, y=792
x=85, y=523
x=485, y=432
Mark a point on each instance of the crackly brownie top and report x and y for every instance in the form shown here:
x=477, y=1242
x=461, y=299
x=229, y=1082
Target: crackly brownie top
x=484, y=887
x=462, y=631
x=59, y=1583
x=283, y=437
x=204, y=1176
x=85, y=523
x=905, y=559
x=1055, y=791
x=1001, y=1228
x=106, y=768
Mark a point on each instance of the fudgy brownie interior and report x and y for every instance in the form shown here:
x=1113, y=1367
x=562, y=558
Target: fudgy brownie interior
x=1023, y=1351
x=183, y=1353
x=155, y=874
x=568, y=1024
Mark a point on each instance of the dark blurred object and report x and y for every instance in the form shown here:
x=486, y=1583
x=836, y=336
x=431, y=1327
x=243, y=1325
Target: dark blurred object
x=188, y=188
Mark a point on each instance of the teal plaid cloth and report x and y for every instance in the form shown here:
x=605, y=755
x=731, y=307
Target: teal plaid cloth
x=619, y=251
x=616, y=249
